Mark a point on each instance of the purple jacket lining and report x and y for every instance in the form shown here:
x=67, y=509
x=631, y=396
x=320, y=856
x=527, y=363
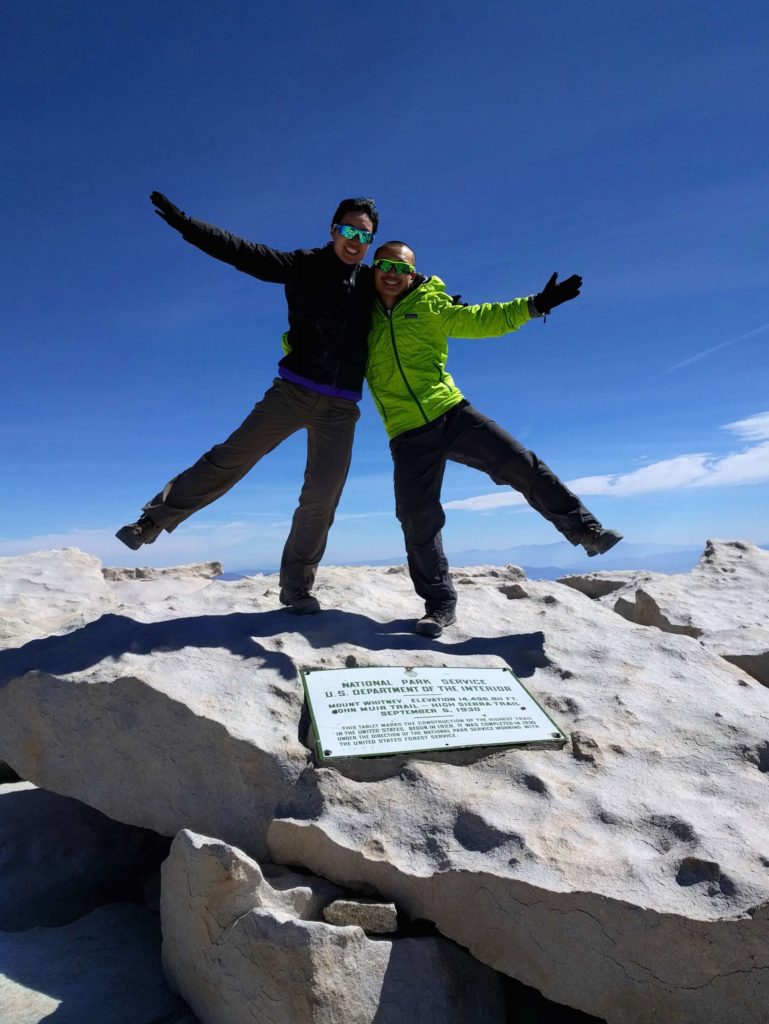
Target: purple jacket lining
x=322, y=389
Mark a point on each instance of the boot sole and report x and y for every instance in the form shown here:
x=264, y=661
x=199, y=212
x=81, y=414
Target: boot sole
x=129, y=538
x=431, y=629
x=607, y=546
x=428, y=629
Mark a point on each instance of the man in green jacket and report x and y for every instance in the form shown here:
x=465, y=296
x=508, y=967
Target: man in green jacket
x=429, y=421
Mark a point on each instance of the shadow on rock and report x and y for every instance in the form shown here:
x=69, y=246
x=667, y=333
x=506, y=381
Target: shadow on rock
x=111, y=636
x=104, y=967
x=59, y=859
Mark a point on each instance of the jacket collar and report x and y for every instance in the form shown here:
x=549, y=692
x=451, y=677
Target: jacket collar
x=416, y=284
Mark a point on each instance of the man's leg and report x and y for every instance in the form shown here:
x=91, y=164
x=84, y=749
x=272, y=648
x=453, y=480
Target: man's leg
x=419, y=465
x=270, y=422
x=330, y=433
x=479, y=442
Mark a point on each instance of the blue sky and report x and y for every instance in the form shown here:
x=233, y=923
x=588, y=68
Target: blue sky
x=625, y=142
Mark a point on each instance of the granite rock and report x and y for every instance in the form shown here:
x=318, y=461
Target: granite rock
x=626, y=875
x=370, y=915
x=242, y=952
x=722, y=602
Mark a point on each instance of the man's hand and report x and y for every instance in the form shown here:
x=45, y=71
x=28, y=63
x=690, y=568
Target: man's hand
x=554, y=293
x=171, y=214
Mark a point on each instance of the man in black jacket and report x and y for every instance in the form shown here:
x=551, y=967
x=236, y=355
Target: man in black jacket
x=330, y=295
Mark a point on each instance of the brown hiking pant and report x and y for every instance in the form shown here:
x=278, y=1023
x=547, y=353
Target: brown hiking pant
x=286, y=408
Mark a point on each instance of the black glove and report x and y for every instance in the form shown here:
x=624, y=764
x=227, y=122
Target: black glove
x=553, y=294
x=171, y=214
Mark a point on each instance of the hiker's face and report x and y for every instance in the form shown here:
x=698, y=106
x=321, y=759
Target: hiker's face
x=389, y=285
x=351, y=250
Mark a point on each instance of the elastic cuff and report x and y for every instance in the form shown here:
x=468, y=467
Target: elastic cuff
x=533, y=311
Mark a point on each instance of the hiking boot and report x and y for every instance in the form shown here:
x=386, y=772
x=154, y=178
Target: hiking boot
x=301, y=602
x=598, y=540
x=143, y=531
x=432, y=623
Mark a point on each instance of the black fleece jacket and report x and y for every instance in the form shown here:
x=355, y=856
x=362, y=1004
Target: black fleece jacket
x=329, y=303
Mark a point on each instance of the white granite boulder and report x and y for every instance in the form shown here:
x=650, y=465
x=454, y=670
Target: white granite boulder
x=241, y=951
x=723, y=601
x=51, y=591
x=626, y=875
x=162, y=710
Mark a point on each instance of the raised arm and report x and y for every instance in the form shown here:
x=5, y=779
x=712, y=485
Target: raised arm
x=256, y=260
x=492, y=319
x=488, y=320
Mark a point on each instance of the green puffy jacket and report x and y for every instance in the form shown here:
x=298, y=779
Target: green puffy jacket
x=408, y=349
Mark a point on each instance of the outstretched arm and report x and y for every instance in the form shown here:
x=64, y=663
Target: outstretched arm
x=492, y=319
x=256, y=260
x=487, y=320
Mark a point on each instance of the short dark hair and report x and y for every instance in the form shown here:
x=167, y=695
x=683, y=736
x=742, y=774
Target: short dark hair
x=393, y=241
x=358, y=205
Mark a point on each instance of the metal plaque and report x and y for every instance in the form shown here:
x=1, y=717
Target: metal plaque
x=368, y=712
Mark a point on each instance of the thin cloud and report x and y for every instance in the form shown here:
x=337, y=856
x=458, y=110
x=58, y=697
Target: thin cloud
x=270, y=515
x=754, y=428
x=183, y=545
x=715, y=348
x=343, y=516
x=86, y=540
x=750, y=466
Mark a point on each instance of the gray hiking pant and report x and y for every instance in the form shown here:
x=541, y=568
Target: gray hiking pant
x=286, y=408
x=465, y=435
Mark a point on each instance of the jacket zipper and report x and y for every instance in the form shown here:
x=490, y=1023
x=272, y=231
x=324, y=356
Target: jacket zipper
x=348, y=287
x=388, y=313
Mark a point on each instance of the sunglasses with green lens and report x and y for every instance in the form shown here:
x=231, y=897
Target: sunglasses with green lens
x=348, y=231
x=394, y=266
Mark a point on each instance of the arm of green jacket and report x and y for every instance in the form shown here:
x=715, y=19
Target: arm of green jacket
x=250, y=257
x=488, y=320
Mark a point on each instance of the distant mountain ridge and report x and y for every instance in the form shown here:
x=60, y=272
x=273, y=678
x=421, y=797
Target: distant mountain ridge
x=548, y=561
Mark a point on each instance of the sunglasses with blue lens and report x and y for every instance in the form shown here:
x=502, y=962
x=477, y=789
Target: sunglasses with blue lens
x=348, y=231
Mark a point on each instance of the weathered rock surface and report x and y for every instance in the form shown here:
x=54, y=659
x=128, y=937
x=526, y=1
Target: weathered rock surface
x=195, y=573
x=164, y=708
x=243, y=952
x=103, y=968
x=54, y=589
x=723, y=602
x=370, y=915
x=60, y=590
x=59, y=858
x=627, y=875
